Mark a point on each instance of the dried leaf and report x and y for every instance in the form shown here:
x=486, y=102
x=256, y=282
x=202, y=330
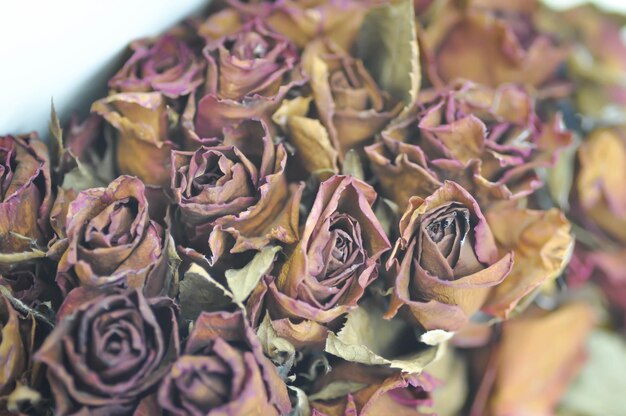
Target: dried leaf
x=242, y=281
x=561, y=177
x=200, y=292
x=56, y=144
x=388, y=46
x=367, y=338
x=352, y=165
x=280, y=351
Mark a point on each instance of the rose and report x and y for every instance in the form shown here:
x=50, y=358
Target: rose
x=530, y=383
x=335, y=259
x=223, y=371
x=350, y=109
x=111, y=240
x=488, y=140
x=13, y=349
x=600, y=197
x=446, y=261
x=166, y=65
x=249, y=73
x=384, y=391
x=144, y=123
x=108, y=349
x=25, y=198
x=303, y=21
x=490, y=44
x=235, y=188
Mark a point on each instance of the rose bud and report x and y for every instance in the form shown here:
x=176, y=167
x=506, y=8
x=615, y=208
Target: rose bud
x=249, y=73
x=488, y=140
x=25, y=198
x=601, y=197
x=144, y=133
x=335, y=260
x=490, y=44
x=446, y=261
x=529, y=382
x=111, y=240
x=384, y=392
x=236, y=188
x=166, y=65
x=223, y=372
x=108, y=349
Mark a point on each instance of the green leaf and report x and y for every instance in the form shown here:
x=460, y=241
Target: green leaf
x=599, y=388
x=369, y=339
x=198, y=292
x=387, y=44
x=243, y=281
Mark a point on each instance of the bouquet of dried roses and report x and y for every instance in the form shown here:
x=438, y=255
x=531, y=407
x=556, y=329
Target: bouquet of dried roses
x=339, y=207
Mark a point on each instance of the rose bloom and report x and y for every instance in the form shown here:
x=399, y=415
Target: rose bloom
x=491, y=43
x=145, y=136
x=25, y=198
x=108, y=349
x=599, y=200
x=233, y=196
x=167, y=65
x=223, y=372
x=488, y=140
x=336, y=258
x=446, y=261
x=345, y=111
x=111, y=240
x=249, y=73
x=302, y=21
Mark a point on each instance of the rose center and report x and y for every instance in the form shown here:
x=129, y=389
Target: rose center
x=249, y=46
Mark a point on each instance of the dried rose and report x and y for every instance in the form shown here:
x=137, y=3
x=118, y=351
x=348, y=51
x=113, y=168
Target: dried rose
x=600, y=194
x=350, y=109
x=223, y=372
x=13, y=348
x=336, y=258
x=111, y=240
x=446, y=261
x=490, y=141
x=249, y=73
x=145, y=135
x=108, y=349
x=235, y=188
x=383, y=392
x=25, y=198
x=166, y=65
x=532, y=382
x=491, y=43
x=302, y=21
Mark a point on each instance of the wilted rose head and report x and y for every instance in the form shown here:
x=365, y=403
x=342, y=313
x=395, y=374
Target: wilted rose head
x=488, y=140
x=25, y=198
x=491, y=43
x=166, y=65
x=600, y=196
x=336, y=259
x=111, y=241
x=108, y=349
x=235, y=190
x=302, y=21
x=145, y=134
x=446, y=261
x=223, y=372
x=249, y=73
